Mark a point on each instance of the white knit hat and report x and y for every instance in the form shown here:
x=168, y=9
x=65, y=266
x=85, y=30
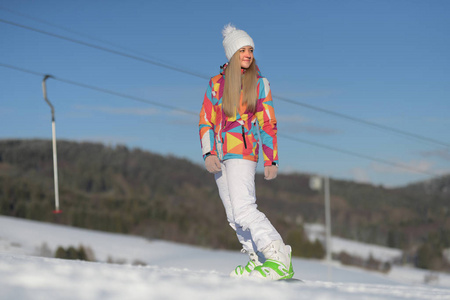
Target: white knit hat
x=234, y=39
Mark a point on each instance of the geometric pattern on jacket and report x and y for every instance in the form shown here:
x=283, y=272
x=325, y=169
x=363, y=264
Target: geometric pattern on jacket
x=237, y=136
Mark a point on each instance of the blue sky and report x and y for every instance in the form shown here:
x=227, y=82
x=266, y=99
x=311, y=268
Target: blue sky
x=384, y=62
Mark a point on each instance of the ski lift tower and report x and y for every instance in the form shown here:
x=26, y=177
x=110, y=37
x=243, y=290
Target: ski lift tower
x=315, y=183
x=55, y=159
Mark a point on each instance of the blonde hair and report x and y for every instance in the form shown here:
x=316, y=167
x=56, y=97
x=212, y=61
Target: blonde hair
x=234, y=82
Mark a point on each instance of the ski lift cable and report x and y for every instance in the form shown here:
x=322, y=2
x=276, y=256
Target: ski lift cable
x=103, y=90
x=379, y=160
x=194, y=113
x=185, y=71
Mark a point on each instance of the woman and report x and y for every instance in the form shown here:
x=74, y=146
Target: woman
x=237, y=110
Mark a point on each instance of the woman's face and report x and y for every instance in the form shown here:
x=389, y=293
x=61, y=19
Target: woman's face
x=246, y=56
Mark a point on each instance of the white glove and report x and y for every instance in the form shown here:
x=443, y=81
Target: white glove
x=212, y=164
x=270, y=172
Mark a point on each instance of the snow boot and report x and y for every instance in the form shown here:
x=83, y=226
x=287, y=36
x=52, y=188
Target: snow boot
x=278, y=264
x=241, y=271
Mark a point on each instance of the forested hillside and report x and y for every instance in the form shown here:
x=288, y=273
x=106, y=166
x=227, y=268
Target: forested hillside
x=133, y=191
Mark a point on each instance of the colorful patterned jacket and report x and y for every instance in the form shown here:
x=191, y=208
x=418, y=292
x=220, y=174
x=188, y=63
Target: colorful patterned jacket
x=237, y=137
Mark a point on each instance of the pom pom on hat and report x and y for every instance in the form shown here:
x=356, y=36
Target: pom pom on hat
x=234, y=39
x=228, y=29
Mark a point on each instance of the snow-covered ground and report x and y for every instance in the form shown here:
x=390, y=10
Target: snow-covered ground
x=175, y=271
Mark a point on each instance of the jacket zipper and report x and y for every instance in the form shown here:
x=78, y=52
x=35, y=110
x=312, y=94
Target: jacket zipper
x=243, y=137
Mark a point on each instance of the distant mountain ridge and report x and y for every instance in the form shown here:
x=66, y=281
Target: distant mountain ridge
x=435, y=186
x=134, y=191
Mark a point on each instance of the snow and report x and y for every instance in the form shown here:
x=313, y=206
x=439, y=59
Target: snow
x=384, y=254
x=175, y=271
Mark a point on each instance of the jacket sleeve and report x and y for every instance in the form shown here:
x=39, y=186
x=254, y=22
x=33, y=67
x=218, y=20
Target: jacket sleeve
x=206, y=124
x=267, y=123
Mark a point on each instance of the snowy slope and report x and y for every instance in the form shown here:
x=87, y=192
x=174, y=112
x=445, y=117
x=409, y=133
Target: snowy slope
x=173, y=271
x=384, y=254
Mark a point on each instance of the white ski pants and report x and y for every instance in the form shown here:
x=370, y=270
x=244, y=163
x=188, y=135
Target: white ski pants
x=236, y=183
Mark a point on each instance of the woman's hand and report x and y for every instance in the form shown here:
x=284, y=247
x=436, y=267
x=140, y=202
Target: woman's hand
x=212, y=164
x=270, y=172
